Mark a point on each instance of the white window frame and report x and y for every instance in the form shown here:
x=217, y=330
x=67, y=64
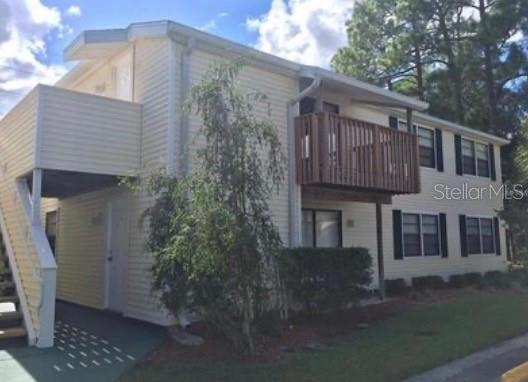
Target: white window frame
x=401, y=122
x=422, y=252
x=475, y=159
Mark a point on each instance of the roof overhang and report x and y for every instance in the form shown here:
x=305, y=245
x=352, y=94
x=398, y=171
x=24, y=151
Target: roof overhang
x=430, y=121
x=97, y=44
x=362, y=92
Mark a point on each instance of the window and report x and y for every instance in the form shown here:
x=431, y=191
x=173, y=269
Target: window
x=488, y=240
x=420, y=235
x=51, y=229
x=468, y=157
x=427, y=144
x=480, y=235
x=473, y=235
x=411, y=235
x=309, y=105
x=483, y=165
x=431, y=242
x=475, y=158
x=321, y=228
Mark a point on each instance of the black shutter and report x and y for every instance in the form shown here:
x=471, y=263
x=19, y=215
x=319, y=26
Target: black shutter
x=463, y=237
x=443, y=235
x=458, y=154
x=439, y=150
x=497, y=236
x=393, y=122
x=492, y=162
x=397, y=231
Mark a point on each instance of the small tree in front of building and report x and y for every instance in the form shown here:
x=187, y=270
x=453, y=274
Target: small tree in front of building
x=211, y=233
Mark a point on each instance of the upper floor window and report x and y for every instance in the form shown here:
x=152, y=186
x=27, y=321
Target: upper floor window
x=308, y=105
x=321, y=228
x=426, y=139
x=421, y=235
x=475, y=158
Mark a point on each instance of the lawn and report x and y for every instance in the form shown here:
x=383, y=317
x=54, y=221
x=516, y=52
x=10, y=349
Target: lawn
x=424, y=336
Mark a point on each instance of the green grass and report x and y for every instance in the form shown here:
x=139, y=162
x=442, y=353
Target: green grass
x=414, y=341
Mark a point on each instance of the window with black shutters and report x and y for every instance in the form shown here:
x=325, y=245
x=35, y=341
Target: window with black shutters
x=468, y=157
x=412, y=245
x=427, y=147
x=488, y=239
x=431, y=240
x=421, y=235
x=483, y=161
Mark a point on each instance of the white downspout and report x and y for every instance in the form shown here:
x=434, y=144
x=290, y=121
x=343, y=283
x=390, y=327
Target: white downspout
x=294, y=190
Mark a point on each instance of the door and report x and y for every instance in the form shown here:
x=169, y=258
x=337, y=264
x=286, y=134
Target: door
x=116, y=253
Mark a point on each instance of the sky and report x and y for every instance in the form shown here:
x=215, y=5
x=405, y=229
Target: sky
x=33, y=33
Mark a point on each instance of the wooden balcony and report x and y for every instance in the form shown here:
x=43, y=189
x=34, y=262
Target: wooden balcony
x=336, y=152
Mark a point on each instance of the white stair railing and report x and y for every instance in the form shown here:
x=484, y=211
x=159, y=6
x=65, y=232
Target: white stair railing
x=42, y=256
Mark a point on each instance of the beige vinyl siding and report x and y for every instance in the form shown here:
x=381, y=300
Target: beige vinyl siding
x=279, y=89
x=81, y=248
x=151, y=87
x=17, y=137
x=359, y=224
x=87, y=133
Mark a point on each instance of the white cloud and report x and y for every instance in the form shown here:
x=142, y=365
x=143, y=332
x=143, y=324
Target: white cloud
x=305, y=31
x=24, y=27
x=211, y=24
x=73, y=10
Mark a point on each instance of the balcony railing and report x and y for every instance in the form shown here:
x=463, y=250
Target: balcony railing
x=338, y=151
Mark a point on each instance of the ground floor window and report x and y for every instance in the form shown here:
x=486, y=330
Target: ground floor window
x=321, y=228
x=421, y=235
x=480, y=235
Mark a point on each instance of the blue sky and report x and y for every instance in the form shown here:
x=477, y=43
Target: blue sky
x=33, y=33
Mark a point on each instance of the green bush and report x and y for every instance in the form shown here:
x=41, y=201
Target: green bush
x=396, y=287
x=457, y=281
x=473, y=279
x=519, y=275
x=326, y=278
x=428, y=282
x=496, y=279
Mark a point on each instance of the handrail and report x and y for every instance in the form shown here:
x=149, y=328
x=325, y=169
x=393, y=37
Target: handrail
x=334, y=150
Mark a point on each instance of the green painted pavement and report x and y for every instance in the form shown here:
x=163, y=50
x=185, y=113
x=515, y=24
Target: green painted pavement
x=89, y=346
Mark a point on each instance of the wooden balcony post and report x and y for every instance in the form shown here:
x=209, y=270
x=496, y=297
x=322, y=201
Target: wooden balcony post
x=314, y=148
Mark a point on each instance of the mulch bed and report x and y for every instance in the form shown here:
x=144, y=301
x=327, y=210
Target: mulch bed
x=303, y=333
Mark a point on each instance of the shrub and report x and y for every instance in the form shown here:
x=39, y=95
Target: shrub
x=496, y=279
x=473, y=278
x=428, y=282
x=457, y=281
x=326, y=278
x=519, y=275
x=396, y=287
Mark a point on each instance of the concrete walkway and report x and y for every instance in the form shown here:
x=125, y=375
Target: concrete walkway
x=485, y=366
x=89, y=346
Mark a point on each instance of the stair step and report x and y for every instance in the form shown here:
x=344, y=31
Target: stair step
x=4, y=316
x=13, y=299
x=14, y=332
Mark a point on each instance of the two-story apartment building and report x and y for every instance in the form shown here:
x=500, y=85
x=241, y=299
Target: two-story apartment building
x=365, y=168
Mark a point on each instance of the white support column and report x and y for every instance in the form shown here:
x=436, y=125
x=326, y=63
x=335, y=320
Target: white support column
x=35, y=197
x=47, y=309
x=294, y=190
